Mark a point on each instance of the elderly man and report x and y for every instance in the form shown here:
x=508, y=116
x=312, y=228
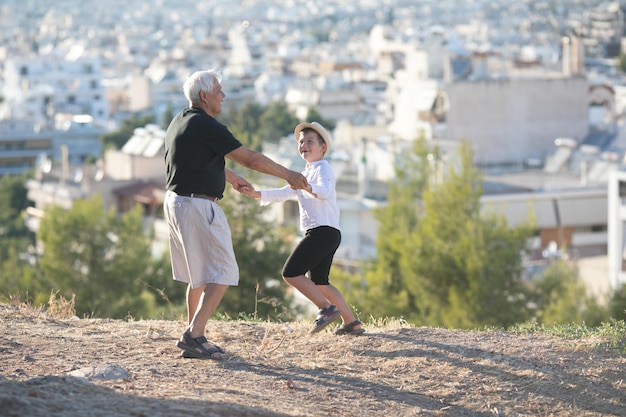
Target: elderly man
x=201, y=249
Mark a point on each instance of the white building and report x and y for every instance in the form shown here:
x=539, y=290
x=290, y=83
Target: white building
x=21, y=144
x=79, y=135
x=512, y=120
x=510, y=111
x=68, y=83
x=333, y=98
x=617, y=229
x=24, y=143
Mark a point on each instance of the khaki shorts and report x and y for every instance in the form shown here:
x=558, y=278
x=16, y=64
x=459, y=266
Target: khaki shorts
x=201, y=246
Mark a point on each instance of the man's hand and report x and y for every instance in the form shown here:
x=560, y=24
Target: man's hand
x=259, y=162
x=237, y=181
x=297, y=181
x=240, y=184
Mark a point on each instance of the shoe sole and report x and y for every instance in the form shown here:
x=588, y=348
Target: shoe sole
x=187, y=354
x=317, y=328
x=190, y=353
x=352, y=333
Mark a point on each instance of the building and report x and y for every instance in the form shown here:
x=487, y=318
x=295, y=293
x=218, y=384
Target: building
x=510, y=121
x=616, y=229
x=62, y=82
x=124, y=178
x=509, y=112
x=51, y=102
x=22, y=143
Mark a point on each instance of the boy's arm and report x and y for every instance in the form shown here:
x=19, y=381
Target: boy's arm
x=323, y=184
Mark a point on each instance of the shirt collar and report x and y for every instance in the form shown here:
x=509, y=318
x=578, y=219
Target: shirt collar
x=315, y=163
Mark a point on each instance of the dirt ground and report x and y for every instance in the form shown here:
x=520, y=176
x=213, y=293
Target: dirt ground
x=276, y=369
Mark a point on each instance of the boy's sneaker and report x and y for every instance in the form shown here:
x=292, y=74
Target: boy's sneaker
x=325, y=317
x=350, y=329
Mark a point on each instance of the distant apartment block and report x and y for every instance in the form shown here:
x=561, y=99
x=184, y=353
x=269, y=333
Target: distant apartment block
x=516, y=119
x=509, y=113
x=40, y=88
x=21, y=144
x=51, y=101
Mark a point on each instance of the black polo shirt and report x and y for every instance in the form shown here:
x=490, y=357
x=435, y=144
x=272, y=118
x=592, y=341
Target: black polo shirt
x=195, y=145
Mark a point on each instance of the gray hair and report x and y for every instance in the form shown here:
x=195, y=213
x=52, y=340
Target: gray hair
x=200, y=81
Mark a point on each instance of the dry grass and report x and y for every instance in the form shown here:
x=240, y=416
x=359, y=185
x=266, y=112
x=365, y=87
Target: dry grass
x=276, y=369
x=60, y=308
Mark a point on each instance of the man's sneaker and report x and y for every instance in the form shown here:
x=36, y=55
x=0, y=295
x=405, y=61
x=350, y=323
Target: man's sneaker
x=325, y=317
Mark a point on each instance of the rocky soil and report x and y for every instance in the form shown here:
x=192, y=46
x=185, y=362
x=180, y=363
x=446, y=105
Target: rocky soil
x=95, y=367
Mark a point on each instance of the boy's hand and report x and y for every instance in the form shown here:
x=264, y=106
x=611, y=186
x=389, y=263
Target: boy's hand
x=250, y=192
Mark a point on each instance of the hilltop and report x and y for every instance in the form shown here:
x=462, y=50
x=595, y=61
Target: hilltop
x=275, y=369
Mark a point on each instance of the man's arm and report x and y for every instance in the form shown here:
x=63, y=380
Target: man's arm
x=237, y=181
x=261, y=163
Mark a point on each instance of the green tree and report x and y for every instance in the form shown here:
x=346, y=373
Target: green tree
x=617, y=303
x=397, y=220
x=276, y=122
x=314, y=116
x=245, y=122
x=167, y=116
x=443, y=262
x=102, y=258
x=18, y=276
x=16, y=241
x=468, y=264
x=14, y=201
x=119, y=137
x=561, y=297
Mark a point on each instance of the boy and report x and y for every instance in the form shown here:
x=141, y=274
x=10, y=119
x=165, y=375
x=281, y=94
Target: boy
x=319, y=219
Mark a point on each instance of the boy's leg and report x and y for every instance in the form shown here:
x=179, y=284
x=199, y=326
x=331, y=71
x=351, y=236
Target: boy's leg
x=335, y=297
x=309, y=290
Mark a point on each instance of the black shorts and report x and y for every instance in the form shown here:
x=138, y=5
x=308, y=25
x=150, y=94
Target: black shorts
x=314, y=254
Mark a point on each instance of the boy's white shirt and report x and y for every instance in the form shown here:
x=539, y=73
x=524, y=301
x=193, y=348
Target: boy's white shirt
x=314, y=211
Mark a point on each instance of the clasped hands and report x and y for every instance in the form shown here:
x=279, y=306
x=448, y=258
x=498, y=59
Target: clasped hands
x=296, y=180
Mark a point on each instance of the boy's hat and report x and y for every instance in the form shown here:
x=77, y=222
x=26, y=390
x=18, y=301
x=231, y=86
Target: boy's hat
x=318, y=128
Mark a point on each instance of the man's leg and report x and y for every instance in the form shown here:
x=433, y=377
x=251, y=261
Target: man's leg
x=206, y=299
x=193, y=299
